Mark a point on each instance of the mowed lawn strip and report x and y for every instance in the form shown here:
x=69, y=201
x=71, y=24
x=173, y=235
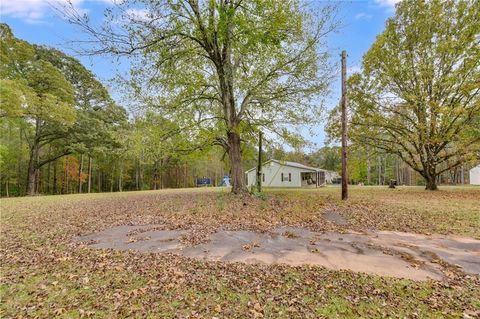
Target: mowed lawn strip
x=46, y=274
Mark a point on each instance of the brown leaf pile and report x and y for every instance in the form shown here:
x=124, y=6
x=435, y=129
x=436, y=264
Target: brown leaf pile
x=45, y=274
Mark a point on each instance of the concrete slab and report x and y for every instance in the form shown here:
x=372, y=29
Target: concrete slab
x=384, y=253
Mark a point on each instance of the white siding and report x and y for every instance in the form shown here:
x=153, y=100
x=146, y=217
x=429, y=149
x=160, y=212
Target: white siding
x=273, y=174
x=475, y=175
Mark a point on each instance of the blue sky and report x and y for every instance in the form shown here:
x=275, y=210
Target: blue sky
x=35, y=22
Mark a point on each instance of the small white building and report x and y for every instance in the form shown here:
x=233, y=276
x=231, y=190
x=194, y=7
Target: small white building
x=277, y=173
x=475, y=175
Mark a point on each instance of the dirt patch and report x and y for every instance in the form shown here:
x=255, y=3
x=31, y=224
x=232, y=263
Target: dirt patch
x=394, y=254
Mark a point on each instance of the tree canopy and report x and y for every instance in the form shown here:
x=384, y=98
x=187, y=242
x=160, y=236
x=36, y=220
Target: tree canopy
x=418, y=94
x=59, y=105
x=231, y=67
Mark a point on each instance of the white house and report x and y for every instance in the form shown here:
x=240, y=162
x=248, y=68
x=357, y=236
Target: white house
x=475, y=175
x=277, y=173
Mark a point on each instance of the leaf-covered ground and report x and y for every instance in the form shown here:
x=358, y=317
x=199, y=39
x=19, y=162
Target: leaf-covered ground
x=46, y=274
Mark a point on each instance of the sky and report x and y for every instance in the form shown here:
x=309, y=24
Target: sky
x=36, y=22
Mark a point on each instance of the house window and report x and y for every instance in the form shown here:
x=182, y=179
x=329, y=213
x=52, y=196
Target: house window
x=281, y=177
x=263, y=177
x=289, y=177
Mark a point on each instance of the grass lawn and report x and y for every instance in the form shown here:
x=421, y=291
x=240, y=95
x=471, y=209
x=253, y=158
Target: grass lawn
x=44, y=273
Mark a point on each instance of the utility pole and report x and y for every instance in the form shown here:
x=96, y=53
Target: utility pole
x=344, y=127
x=259, y=166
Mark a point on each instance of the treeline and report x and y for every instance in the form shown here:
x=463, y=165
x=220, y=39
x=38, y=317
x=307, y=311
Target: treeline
x=417, y=96
x=51, y=107
x=80, y=173
x=414, y=109
x=62, y=133
x=370, y=166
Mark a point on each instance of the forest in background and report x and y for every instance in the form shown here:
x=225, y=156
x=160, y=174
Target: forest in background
x=67, y=135
x=414, y=108
x=78, y=140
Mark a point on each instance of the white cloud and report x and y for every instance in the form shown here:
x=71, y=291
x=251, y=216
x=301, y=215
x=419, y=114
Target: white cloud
x=387, y=3
x=363, y=16
x=36, y=11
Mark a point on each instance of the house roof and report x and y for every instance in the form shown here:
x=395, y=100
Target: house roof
x=291, y=164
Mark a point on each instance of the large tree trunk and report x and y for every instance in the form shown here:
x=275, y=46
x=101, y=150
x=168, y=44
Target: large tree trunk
x=225, y=75
x=431, y=183
x=430, y=174
x=238, y=182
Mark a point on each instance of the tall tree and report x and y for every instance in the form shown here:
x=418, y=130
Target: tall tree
x=327, y=157
x=418, y=96
x=97, y=114
x=61, y=106
x=226, y=65
x=41, y=96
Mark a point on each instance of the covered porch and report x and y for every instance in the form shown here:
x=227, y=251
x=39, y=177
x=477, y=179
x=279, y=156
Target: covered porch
x=312, y=178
